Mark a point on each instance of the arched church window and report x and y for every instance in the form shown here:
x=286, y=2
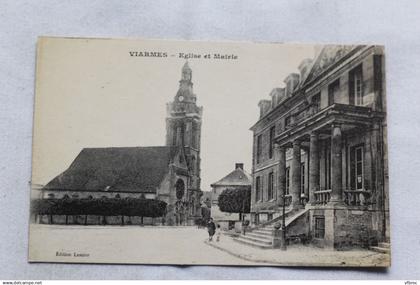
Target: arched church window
x=192, y=165
x=179, y=189
x=194, y=135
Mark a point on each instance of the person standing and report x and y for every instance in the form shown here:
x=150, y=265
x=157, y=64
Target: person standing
x=218, y=233
x=211, y=228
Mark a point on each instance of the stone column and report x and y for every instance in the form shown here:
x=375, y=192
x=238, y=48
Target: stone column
x=295, y=169
x=281, y=188
x=336, y=166
x=368, y=175
x=313, y=167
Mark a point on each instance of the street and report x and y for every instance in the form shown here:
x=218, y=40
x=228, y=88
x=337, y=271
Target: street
x=128, y=244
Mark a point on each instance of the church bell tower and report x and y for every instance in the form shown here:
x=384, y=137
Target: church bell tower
x=183, y=125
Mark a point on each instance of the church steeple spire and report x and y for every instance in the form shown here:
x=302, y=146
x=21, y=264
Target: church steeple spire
x=185, y=92
x=186, y=72
x=183, y=125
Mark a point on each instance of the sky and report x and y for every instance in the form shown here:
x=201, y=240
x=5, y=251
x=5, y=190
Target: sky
x=92, y=93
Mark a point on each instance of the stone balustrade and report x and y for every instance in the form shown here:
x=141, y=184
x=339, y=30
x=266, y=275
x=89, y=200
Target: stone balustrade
x=359, y=197
x=322, y=197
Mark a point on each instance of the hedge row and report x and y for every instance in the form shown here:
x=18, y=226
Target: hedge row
x=101, y=207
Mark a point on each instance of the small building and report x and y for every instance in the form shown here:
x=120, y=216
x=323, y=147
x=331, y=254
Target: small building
x=237, y=179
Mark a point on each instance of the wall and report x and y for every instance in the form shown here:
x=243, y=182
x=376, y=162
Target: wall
x=344, y=228
x=266, y=205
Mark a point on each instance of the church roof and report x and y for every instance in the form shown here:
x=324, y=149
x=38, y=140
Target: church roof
x=125, y=169
x=238, y=177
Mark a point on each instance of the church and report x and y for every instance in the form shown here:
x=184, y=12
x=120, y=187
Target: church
x=169, y=173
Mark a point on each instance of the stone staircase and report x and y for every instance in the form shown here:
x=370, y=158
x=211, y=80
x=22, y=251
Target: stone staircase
x=262, y=236
x=382, y=247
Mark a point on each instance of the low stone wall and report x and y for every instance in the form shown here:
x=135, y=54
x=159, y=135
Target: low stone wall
x=344, y=228
x=353, y=228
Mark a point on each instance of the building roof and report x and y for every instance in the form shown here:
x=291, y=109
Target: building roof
x=238, y=177
x=120, y=169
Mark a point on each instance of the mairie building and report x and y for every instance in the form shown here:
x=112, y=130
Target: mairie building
x=321, y=140
x=170, y=173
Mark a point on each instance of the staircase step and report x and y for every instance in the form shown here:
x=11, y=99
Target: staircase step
x=263, y=230
x=384, y=244
x=380, y=249
x=252, y=243
x=256, y=239
x=259, y=235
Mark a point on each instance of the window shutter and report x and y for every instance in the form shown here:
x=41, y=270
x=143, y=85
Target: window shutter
x=351, y=87
x=352, y=169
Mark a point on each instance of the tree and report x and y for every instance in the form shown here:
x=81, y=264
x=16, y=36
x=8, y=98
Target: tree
x=237, y=200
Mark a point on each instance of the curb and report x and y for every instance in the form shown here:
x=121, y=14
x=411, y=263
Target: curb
x=288, y=264
x=240, y=255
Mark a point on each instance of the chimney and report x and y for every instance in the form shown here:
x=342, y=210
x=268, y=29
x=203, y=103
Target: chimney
x=239, y=165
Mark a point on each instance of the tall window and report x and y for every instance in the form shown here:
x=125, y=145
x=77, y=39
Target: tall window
x=358, y=95
x=356, y=86
x=259, y=148
x=272, y=134
x=287, y=180
x=302, y=178
x=327, y=161
x=333, y=89
x=316, y=102
x=319, y=227
x=356, y=167
x=287, y=121
x=258, y=188
x=270, y=186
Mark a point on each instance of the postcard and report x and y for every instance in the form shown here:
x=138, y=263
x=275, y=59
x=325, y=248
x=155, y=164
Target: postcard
x=209, y=153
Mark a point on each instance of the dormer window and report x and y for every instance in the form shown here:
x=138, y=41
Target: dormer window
x=292, y=82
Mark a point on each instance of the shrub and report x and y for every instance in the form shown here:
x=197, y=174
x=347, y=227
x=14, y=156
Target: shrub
x=235, y=200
